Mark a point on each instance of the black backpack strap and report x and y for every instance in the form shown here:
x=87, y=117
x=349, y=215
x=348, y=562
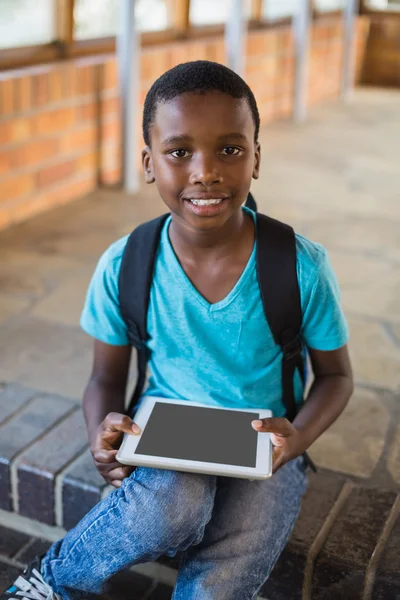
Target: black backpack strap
x=135, y=279
x=251, y=203
x=277, y=276
x=280, y=293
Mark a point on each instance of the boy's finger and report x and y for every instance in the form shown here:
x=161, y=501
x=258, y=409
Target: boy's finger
x=118, y=473
x=104, y=456
x=277, y=425
x=116, y=422
x=277, y=459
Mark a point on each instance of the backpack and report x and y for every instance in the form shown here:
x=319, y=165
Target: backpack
x=277, y=278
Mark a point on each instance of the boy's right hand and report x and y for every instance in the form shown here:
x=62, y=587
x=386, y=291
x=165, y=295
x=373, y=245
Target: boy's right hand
x=106, y=444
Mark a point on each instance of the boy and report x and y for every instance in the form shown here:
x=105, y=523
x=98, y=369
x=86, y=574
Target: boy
x=206, y=326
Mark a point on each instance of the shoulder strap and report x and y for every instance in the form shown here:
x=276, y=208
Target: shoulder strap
x=251, y=203
x=135, y=279
x=277, y=276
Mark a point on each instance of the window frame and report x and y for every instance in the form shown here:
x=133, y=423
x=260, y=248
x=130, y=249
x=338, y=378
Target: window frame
x=66, y=47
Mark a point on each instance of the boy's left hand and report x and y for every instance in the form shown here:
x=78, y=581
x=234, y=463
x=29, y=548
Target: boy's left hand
x=288, y=442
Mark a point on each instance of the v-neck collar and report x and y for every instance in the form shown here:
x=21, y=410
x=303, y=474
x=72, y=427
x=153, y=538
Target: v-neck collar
x=210, y=307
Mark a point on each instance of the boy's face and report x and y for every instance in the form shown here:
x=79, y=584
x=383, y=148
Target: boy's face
x=203, y=149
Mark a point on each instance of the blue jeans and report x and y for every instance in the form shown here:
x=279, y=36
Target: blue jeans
x=231, y=530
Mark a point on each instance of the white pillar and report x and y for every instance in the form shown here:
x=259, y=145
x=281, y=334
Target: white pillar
x=301, y=24
x=349, y=14
x=128, y=49
x=235, y=37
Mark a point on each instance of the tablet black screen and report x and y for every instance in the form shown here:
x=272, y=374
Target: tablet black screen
x=200, y=433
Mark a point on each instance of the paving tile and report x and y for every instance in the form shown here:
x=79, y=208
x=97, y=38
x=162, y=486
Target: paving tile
x=128, y=585
x=286, y=579
x=341, y=566
x=8, y=575
x=10, y=306
x=20, y=431
x=47, y=356
x=375, y=356
x=38, y=548
x=38, y=467
x=355, y=442
x=12, y=398
x=387, y=582
x=393, y=461
x=11, y=541
x=81, y=489
x=64, y=305
x=378, y=235
x=162, y=592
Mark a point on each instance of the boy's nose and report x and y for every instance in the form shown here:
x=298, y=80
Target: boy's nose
x=206, y=174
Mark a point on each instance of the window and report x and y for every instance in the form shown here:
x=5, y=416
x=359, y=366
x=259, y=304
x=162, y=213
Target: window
x=274, y=10
x=213, y=12
x=100, y=18
x=383, y=4
x=26, y=22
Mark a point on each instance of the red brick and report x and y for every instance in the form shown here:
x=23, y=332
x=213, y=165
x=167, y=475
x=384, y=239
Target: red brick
x=111, y=80
x=56, y=85
x=15, y=130
x=5, y=162
x=40, y=87
x=79, y=139
x=87, y=111
x=70, y=80
x=256, y=44
x=23, y=93
x=51, y=121
x=86, y=162
x=110, y=176
x=35, y=152
x=7, y=97
x=111, y=130
x=58, y=172
x=86, y=80
x=16, y=186
x=110, y=105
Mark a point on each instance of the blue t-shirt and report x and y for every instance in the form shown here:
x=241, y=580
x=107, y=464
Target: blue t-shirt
x=220, y=354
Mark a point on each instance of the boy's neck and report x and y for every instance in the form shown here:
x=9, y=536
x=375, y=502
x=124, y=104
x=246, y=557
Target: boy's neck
x=201, y=245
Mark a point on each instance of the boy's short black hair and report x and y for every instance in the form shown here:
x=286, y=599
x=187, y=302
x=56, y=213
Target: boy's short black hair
x=199, y=76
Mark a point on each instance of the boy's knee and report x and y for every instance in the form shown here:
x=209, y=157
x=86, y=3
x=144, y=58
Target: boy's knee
x=183, y=501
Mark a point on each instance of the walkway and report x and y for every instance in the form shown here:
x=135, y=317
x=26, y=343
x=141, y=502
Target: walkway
x=335, y=179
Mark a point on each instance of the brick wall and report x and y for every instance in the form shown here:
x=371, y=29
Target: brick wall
x=60, y=124
x=382, y=59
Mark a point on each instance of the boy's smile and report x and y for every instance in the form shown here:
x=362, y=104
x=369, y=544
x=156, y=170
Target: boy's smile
x=203, y=157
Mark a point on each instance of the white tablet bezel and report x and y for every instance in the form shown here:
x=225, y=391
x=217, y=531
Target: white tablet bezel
x=126, y=454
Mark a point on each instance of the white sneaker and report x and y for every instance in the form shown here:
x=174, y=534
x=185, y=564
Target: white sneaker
x=30, y=585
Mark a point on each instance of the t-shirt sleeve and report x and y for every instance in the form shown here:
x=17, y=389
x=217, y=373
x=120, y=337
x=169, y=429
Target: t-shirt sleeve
x=324, y=324
x=101, y=317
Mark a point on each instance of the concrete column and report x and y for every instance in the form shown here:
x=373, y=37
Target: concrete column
x=235, y=37
x=301, y=25
x=350, y=13
x=128, y=52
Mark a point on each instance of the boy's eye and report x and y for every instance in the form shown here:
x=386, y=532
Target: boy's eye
x=231, y=151
x=180, y=153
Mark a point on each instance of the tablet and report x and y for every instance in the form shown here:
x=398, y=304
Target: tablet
x=188, y=436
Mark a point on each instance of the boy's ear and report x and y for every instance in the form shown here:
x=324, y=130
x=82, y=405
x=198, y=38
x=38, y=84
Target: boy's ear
x=147, y=163
x=257, y=161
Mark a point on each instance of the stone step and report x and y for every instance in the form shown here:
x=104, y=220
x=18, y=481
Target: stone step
x=344, y=545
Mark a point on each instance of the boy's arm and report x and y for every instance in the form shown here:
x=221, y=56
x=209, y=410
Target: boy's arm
x=104, y=409
x=328, y=396
x=106, y=389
